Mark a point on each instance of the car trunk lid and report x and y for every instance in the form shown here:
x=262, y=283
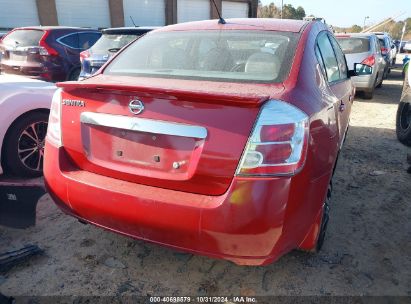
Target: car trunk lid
x=189, y=136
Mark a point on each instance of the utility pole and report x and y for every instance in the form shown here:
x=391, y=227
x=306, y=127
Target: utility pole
x=282, y=6
x=366, y=17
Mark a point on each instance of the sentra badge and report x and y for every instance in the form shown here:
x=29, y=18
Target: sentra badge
x=74, y=103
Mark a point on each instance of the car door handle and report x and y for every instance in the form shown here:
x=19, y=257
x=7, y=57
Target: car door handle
x=341, y=108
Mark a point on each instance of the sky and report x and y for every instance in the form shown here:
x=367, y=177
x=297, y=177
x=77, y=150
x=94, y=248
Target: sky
x=344, y=13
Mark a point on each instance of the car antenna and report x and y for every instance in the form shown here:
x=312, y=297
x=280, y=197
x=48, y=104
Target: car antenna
x=133, y=21
x=221, y=19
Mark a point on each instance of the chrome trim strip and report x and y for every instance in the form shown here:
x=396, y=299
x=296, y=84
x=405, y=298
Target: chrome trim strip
x=143, y=125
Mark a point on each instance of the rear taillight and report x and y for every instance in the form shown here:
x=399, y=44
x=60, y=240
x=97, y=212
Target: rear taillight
x=45, y=49
x=370, y=60
x=83, y=55
x=384, y=51
x=54, y=126
x=278, y=144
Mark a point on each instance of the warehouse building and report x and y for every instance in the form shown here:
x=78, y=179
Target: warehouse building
x=114, y=13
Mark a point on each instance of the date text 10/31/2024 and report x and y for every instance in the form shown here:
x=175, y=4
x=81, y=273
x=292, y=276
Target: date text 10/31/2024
x=203, y=299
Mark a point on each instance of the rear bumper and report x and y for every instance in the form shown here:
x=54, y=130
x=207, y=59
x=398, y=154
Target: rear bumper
x=253, y=223
x=46, y=72
x=364, y=83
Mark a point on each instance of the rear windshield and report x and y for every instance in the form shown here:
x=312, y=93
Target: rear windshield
x=254, y=56
x=383, y=42
x=23, y=38
x=112, y=42
x=354, y=45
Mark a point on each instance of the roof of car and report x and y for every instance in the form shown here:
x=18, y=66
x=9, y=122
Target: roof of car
x=354, y=34
x=256, y=24
x=129, y=30
x=57, y=27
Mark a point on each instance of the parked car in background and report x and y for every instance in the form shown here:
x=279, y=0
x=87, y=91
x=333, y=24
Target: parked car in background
x=48, y=53
x=397, y=44
x=141, y=148
x=111, y=41
x=388, y=48
x=24, y=112
x=403, y=122
x=402, y=43
x=364, y=48
x=2, y=34
x=407, y=47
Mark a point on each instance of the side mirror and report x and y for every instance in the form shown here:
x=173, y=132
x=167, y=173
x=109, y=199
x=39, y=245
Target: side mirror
x=360, y=69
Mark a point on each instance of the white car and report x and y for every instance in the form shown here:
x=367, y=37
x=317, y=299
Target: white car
x=24, y=112
x=407, y=46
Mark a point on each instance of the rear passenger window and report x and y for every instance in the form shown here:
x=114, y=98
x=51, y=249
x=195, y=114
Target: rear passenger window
x=87, y=40
x=342, y=65
x=320, y=60
x=70, y=40
x=328, y=56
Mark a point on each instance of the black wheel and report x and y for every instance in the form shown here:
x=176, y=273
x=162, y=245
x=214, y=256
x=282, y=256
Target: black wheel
x=403, y=123
x=324, y=220
x=369, y=94
x=23, y=147
x=380, y=84
x=74, y=75
x=385, y=75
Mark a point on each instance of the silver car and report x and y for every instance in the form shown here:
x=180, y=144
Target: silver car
x=364, y=48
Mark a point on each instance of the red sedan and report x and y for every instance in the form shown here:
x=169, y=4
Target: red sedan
x=216, y=139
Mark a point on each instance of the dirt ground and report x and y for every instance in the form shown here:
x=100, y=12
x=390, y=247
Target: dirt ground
x=367, y=249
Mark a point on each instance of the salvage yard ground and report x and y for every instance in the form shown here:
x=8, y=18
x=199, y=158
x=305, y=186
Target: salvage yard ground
x=366, y=252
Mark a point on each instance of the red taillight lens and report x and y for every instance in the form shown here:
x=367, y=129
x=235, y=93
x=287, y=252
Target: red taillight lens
x=45, y=49
x=277, y=133
x=370, y=60
x=83, y=55
x=384, y=51
x=278, y=144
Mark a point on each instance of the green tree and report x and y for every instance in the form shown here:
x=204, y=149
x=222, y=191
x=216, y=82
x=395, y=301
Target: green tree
x=355, y=29
x=272, y=11
x=396, y=30
x=300, y=12
x=268, y=11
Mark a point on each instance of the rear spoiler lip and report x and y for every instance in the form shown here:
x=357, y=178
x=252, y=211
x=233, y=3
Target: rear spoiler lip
x=249, y=100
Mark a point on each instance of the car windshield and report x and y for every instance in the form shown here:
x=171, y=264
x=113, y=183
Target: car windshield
x=353, y=45
x=112, y=42
x=23, y=38
x=256, y=56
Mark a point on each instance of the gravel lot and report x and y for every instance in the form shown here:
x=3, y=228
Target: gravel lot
x=367, y=250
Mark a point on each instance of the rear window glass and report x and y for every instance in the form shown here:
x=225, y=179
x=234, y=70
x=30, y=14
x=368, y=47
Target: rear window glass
x=70, y=40
x=254, y=56
x=87, y=40
x=354, y=45
x=383, y=42
x=112, y=42
x=23, y=38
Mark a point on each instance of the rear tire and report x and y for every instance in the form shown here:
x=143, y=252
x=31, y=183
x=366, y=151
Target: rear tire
x=369, y=94
x=380, y=84
x=403, y=123
x=74, y=75
x=324, y=220
x=23, y=146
